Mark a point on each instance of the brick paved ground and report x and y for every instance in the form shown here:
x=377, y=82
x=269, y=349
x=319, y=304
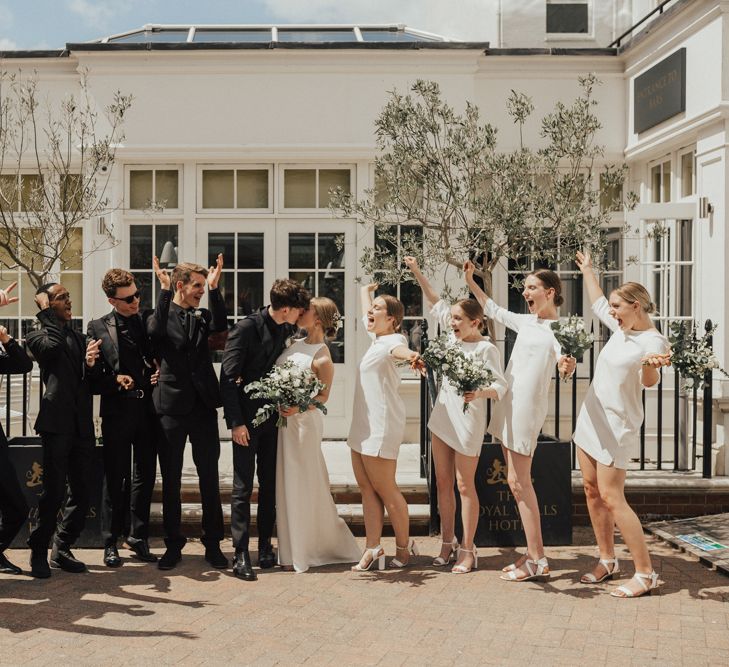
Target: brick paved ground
x=421, y=616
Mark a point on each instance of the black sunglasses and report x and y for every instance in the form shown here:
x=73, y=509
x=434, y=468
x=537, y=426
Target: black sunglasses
x=130, y=298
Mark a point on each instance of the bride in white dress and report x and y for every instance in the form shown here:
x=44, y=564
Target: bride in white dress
x=310, y=532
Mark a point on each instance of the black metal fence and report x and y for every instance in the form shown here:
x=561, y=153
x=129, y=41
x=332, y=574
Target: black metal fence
x=670, y=415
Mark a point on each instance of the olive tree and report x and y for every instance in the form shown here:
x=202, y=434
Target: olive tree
x=442, y=182
x=56, y=159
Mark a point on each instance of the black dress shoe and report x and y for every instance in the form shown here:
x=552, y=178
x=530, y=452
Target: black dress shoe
x=266, y=556
x=215, y=557
x=111, y=556
x=39, y=564
x=142, y=552
x=6, y=567
x=242, y=567
x=63, y=558
x=170, y=559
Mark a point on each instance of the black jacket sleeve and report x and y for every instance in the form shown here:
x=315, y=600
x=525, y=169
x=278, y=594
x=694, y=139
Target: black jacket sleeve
x=17, y=360
x=217, y=308
x=103, y=378
x=236, y=348
x=48, y=342
x=157, y=321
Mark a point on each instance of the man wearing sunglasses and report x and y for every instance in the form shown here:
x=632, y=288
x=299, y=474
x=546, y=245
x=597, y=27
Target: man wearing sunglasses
x=127, y=418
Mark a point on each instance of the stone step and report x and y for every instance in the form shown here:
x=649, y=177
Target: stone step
x=350, y=512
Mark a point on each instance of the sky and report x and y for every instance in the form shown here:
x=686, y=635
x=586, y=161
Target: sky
x=51, y=24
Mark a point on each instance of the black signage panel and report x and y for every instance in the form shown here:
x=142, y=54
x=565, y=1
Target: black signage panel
x=26, y=455
x=499, y=523
x=660, y=93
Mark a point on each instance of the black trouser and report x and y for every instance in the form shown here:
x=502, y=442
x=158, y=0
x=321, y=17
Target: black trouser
x=66, y=458
x=201, y=425
x=124, y=488
x=13, y=508
x=261, y=450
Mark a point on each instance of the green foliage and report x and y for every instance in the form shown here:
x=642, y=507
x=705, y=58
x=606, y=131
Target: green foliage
x=441, y=172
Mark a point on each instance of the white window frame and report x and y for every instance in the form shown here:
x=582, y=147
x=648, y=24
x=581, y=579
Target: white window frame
x=136, y=212
x=660, y=162
x=234, y=167
x=317, y=167
x=679, y=175
x=571, y=36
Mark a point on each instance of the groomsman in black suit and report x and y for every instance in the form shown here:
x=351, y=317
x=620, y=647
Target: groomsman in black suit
x=65, y=424
x=251, y=350
x=186, y=399
x=13, y=508
x=128, y=420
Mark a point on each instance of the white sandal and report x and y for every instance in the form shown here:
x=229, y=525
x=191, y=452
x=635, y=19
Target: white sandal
x=439, y=561
x=377, y=555
x=462, y=569
x=640, y=577
x=411, y=548
x=516, y=564
x=590, y=578
x=540, y=573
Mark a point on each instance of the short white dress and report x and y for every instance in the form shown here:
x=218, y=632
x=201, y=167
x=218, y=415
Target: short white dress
x=608, y=426
x=464, y=431
x=378, y=414
x=519, y=416
x=310, y=531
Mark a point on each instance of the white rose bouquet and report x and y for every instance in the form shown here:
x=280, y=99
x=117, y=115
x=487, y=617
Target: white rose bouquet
x=691, y=356
x=283, y=387
x=572, y=337
x=464, y=373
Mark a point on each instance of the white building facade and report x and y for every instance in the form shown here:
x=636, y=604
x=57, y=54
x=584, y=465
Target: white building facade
x=237, y=133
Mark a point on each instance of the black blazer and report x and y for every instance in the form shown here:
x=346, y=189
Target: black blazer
x=105, y=330
x=17, y=361
x=67, y=405
x=249, y=354
x=186, y=373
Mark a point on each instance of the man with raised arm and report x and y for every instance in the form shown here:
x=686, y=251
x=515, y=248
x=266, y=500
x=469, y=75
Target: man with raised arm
x=186, y=399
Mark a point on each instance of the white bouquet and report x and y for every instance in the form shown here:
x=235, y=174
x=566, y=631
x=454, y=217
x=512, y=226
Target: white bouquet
x=691, y=356
x=464, y=372
x=572, y=337
x=285, y=386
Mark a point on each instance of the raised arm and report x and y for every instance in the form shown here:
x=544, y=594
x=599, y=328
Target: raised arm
x=157, y=321
x=367, y=293
x=468, y=269
x=430, y=294
x=584, y=264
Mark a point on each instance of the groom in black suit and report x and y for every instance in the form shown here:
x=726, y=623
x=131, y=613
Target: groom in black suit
x=186, y=399
x=128, y=422
x=251, y=350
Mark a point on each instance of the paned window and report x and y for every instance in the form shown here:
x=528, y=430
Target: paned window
x=151, y=188
x=309, y=188
x=236, y=189
x=146, y=241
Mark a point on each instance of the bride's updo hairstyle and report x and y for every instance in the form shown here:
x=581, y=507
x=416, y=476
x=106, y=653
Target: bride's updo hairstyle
x=550, y=280
x=635, y=292
x=328, y=314
x=472, y=310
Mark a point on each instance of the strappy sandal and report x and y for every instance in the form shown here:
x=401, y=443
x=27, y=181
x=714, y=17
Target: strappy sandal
x=377, y=555
x=439, y=561
x=411, y=548
x=516, y=565
x=462, y=569
x=641, y=578
x=539, y=573
x=610, y=573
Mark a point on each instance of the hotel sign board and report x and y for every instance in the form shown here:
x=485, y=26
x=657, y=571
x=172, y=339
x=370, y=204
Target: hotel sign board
x=660, y=93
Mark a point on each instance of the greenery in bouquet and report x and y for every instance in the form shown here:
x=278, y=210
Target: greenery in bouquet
x=285, y=386
x=463, y=371
x=692, y=355
x=572, y=336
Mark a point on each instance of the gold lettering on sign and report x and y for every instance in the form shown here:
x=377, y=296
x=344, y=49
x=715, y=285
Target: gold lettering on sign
x=34, y=475
x=653, y=92
x=497, y=473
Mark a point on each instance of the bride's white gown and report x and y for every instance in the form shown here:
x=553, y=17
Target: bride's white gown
x=310, y=532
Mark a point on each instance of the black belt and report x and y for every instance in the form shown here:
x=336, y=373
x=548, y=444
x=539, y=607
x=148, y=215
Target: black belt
x=132, y=393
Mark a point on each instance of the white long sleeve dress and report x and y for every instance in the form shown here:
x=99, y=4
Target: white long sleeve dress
x=608, y=426
x=519, y=416
x=461, y=431
x=378, y=414
x=310, y=531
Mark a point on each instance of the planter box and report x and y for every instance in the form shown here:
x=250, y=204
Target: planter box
x=26, y=455
x=499, y=524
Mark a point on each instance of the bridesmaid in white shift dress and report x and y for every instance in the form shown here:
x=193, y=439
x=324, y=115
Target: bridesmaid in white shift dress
x=457, y=437
x=609, y=423
x=517, y=419
x=310, y=532
x=378, y=427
